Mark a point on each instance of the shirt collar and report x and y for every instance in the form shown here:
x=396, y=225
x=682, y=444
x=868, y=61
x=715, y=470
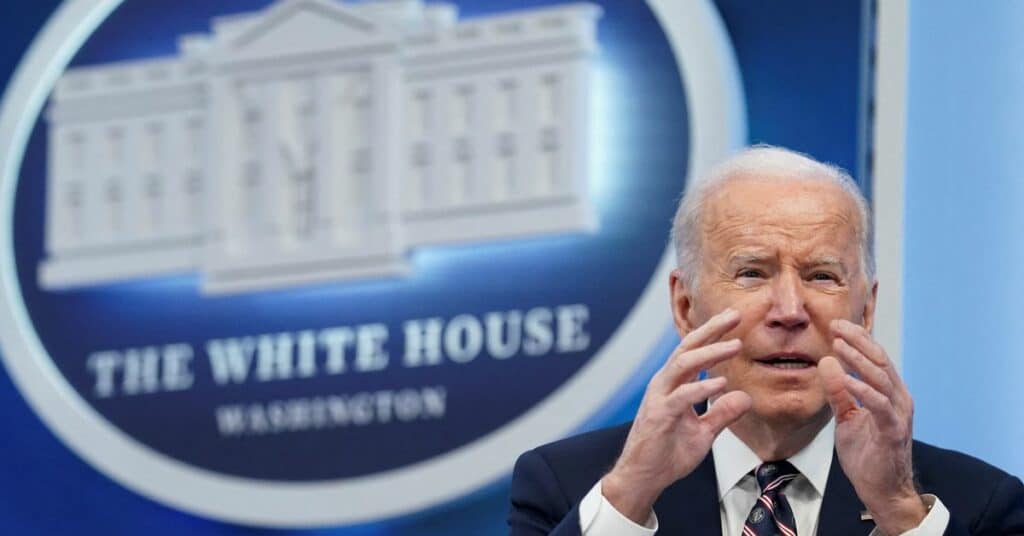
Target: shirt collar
x=734, y=459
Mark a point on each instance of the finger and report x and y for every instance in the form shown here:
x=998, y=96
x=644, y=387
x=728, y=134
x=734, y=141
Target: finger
x=712, y=330
x=682, y=398
x=684, y=367
x=726, y=409
x=864, y=367
x=659, y=382
x=882, y=410
x=859, y=338
x=832, y=375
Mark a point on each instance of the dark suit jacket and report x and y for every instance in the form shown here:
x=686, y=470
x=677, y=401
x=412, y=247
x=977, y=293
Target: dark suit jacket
x=550, y=481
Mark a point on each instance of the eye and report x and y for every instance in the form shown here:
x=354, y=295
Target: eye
x=824, y=276
x=750, y=273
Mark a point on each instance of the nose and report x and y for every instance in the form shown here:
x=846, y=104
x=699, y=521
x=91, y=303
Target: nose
x=788, y=309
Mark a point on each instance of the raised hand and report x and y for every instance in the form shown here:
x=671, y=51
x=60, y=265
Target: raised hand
x=874, y=436
x=668, y=439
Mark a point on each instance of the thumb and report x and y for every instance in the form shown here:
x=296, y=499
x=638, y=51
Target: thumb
x=833, y=377
x=726, y=409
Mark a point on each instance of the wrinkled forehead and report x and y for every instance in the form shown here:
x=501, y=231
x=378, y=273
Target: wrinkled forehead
x=804, y=215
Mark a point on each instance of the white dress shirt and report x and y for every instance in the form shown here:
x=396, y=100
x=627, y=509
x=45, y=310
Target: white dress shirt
x=738, y=492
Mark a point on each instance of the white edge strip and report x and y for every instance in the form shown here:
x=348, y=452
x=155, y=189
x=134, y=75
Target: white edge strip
x=889, y=142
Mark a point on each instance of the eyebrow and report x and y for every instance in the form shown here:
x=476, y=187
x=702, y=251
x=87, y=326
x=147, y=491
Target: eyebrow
x=825, y=259
x=829, y=261
x=750, y=258
x=816, y=262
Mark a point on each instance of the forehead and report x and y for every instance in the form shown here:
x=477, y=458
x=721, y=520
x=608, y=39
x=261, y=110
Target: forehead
x=804, y=216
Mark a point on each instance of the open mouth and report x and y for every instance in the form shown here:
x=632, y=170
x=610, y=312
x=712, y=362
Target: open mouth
x=787, y=362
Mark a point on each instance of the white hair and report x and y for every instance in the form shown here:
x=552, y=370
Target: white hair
x=767, y=161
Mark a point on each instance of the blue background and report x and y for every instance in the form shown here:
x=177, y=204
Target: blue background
x=637, y=180
x=964, y=227
x=800, y=62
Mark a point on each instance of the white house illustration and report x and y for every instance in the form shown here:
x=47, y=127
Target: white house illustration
x=317, y=140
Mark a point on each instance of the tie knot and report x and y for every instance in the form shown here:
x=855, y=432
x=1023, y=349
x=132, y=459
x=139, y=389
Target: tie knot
x=773, y=476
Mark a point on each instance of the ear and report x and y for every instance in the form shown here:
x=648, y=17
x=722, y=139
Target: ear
x=869, y=308
x=682, y=302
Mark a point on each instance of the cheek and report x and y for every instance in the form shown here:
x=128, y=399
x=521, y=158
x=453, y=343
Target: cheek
x=746, y=300
x=753, y=307
x=736, y=371
x=824, y=309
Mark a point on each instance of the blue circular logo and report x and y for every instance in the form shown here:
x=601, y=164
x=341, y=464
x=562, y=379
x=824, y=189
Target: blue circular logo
x=311, y=261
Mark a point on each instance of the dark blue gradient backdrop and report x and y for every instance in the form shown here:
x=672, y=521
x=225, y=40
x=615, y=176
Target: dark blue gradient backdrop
x=640, y=125
x=800, y=67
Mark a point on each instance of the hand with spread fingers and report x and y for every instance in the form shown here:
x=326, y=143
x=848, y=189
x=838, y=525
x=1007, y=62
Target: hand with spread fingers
x=668, y=439
x=874, y=421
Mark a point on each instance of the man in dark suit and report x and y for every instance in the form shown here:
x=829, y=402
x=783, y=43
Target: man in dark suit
x=774, y=297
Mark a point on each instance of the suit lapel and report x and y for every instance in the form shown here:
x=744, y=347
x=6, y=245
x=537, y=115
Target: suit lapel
x=840, y=507
x=690, y=506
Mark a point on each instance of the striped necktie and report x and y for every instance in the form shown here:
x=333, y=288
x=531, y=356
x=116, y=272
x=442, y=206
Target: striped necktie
x=771, y=515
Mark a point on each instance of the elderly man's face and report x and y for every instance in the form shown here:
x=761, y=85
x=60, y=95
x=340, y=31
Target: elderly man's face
x=784, y=254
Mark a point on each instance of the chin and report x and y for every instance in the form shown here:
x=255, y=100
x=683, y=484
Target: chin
x=792, y=408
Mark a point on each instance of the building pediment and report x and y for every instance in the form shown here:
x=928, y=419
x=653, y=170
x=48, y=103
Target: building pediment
x=320, y=140
x=296, y=27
